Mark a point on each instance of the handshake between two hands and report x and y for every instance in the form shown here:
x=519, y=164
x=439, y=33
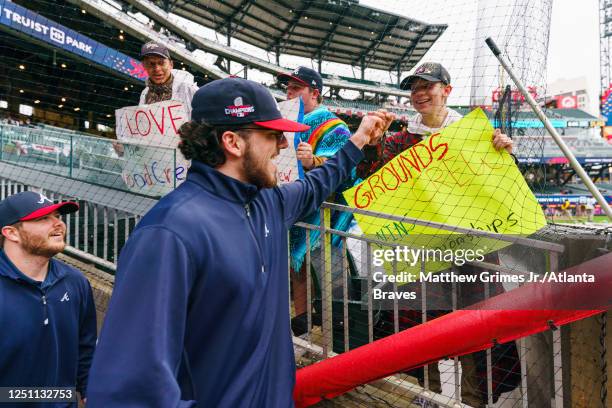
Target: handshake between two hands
x=372, y=128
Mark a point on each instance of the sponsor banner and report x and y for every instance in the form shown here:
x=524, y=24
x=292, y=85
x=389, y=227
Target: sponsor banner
x=33, y=24
x=567, y=102
x=575, y=199
x=532, y=123
x=564, y=160
x=606, y=106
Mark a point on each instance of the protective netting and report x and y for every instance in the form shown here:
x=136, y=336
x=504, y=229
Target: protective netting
x=76, y=125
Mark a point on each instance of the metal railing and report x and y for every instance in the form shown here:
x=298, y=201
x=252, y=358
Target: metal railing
x=95, y=160
x=95, y=233
x=336, y=335
x=99, y=230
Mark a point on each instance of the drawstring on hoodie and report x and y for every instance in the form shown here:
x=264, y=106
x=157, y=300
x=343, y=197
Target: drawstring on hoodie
x=45, y=317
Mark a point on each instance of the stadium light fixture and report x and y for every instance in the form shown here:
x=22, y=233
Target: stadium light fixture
x=125, y=88
x=63, y=65
x=37, y=101
x=60, y=106
x=77, y=109
x=21, y=66
x=121, y=31
x=63, y=99
x=121, y=37
x=21, y=91
x=83, y=11
x=108, y=115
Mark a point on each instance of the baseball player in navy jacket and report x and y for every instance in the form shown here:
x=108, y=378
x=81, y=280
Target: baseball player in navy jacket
x=47, y=312
x=200, y=310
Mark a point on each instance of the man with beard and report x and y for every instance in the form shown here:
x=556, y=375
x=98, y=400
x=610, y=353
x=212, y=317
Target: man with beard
x=200, y=310
x=48, y=317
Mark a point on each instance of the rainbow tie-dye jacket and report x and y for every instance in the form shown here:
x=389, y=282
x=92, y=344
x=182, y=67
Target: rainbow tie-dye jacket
x=327, y=135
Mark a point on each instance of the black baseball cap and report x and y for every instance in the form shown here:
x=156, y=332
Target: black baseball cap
x=29, y=205
x=153, y=48
x=429, y=71
x=306, y=76
x=237, y=101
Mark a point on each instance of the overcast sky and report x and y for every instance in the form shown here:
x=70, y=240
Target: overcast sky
x=573, y=43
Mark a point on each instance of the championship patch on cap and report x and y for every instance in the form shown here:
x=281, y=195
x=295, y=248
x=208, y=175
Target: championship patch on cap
x=239, y=109
x=237, y=101
x=429, y=71
x=424, y=69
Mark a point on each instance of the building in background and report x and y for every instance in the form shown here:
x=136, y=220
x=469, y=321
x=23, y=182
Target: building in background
x=571, y=94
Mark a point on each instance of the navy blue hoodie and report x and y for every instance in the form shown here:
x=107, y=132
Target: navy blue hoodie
x=200, y=310
x=47, y=330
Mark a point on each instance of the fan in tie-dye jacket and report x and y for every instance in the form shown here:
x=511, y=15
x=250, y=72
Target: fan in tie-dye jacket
x=327, y=135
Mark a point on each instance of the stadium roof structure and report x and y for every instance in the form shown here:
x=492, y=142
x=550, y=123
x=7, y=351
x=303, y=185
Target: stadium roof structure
x=340, y=31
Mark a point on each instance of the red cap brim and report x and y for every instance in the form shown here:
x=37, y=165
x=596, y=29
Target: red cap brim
x=286, y=77
x=64, y=208
x=284, y=125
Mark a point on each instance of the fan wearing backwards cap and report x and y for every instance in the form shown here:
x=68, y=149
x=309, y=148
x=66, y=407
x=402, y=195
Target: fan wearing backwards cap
x=47, y=317
x=200, y=310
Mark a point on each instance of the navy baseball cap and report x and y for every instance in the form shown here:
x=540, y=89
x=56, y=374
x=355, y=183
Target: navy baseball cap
x=303, y=75
x=29, y=205
x=237, y=101
x=429, y=71
x=153, y=48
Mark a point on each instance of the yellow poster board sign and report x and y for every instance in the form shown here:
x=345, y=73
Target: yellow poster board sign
x=453, y=177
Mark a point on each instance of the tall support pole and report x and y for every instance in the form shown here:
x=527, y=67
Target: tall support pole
x=551, y=130
x=605, y=32
x=229, y=44
x=362, y=74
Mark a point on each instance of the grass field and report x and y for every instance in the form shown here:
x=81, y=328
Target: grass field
x=598, y=219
